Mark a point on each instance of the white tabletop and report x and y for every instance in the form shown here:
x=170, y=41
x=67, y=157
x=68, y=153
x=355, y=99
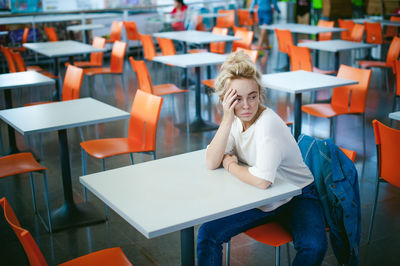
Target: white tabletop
x=302, y=81
x=83, y=27
x=23, y=79
x=166, y=195
x=395, y=115
x=301, y=28
x=213, y=15
x=382, y=22
x=191, y=60
x=62, y=48
x=336, y=45
x=61, y=115
x=193, y=36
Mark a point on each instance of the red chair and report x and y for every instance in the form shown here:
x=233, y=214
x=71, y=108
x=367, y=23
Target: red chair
x=357, y=33
x=110, y=256
x=348, y=25
x=51, y=34
x=21, y=163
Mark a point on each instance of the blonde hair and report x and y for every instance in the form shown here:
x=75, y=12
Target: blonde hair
x=238, y=65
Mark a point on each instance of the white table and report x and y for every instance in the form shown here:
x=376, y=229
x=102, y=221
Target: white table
x=20, y=80
x=395, y=115
x=85, y=28
x=298, y=82
x=55, y=50
x=302, y=28
x=59, y=116
x=177, y=193
x=382, y=22
x=195, y=60
x=336, y=46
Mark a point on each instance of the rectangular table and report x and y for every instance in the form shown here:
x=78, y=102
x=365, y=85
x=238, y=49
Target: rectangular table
x=302, y=28
x=85, y=29
x=194, y=60
x=177, y=193
x=336, y=46
x=395, y=115
x=301, y=81
x=20, y=80
x=55, y=50
x=59, y=116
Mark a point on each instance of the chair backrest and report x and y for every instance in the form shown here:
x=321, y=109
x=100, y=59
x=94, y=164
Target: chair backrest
x=10, y=62
x=167, y=46
x=96, y=59
x=357, y=33
x=149, y=50
x=218, y=47
x=373, y=31
x=300, y=58
x=226, y=21
x=199, y=24
x=285, y=39
x=117, y=57
x=396, y=70
x=142, y=75
x=32, y=251
x=145, y=114
x=25, y=35
x=51, y=34
x=352, y=97
x=18, y=61
x=392, y=31
x=115, y=32
x=253, y=54
x=246, y=39
x=349, y=153
x=132, y=32
x=346, y=24
x=328, y=24
x=244, y=18
x=387, y=142
x=393, y=52
x=72, y=83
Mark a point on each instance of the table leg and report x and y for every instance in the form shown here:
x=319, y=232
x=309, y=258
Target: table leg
x=71, y=214
x=57, y=94
x=199, y=124
x=317, y=54
x=297, y=115
x=337, y=60
x=11, y=133
x=187, y=246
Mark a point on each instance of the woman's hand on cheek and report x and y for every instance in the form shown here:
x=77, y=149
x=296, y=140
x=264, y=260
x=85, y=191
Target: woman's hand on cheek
x=228, y=103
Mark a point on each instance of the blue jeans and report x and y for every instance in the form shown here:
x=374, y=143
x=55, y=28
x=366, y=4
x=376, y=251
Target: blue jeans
x=302, y=216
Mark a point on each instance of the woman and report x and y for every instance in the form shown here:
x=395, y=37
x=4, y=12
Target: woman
x=179, y=13
x=255, y=136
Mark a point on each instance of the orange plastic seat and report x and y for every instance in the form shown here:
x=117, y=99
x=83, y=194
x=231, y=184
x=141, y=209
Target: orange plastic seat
x=348, y=25
x=246, y=39
x=300, y=59
x=392, y=31
x=226, y=21
x=387, y=142
x=96, y=59
x=373, y=31
x=21, y=163
x=285, y=40
x=51, y=34
x=357, y=33
x=25, y=35
x=149, y=49
x=345, y=100
x=324, y=36
x=244, y=18
x=132, y=32
x=215, y=47
x=115, y=32
x=10, y=62
x=21, y=66
x=397, y=84
x=167, y=46
x=145, y=113
x=110, y=256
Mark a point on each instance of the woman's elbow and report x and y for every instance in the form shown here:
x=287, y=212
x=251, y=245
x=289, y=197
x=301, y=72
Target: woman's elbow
x=211, y=165
x=263, y=184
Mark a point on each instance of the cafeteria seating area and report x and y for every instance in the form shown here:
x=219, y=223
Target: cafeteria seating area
x=118, y=89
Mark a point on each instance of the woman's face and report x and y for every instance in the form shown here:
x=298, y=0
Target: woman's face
x=248, y=98
x=176, y=4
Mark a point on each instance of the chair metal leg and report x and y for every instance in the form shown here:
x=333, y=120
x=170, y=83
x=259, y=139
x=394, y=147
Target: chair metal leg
x=288, y=254
x=103, y=162
x=33, y=192
x=228, y=253
x=83, y=156
x=122, y=81
x=363, y=133
x=131, y=157
x=46, y=191
x=277, y=61
x=41, y=147
x=81, y=134
x=277, y=256
x=153, y=154
x=371, y=224
x=104, y=85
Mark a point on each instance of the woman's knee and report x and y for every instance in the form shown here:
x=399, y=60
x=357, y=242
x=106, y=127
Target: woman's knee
x=207, y=234
x=316, y=244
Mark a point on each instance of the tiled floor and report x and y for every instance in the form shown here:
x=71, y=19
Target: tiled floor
x=62, y=246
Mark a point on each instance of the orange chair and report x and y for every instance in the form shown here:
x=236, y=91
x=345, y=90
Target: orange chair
x=324, y=36
x=345, y=100
x=348, y=25
x=132, y=33
x=21, y=163
x=167, y=46
x=21, y=66
x=110, y=256
x=272, y=233
x=141, y=136
x=285, y=40
x=226, y=21
x=25, y=35
x=246, y=39
x=215, y=47
x=396, y=70
x=391, y=57
x=96, y=59
x=357, y=33
x=373, y=32
x=51, y=34
x=300, y=59
x=392, y=31
x=149, y=49
x=115, y=34
x=200, y=26
x=10, y=62
x=244, y=18
x=387, y=142
x=116, y=65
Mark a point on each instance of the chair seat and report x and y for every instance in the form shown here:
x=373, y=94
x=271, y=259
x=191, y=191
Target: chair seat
x=371, y=63
x=208, y=83
x=258, y=47
x=49, y=75
x=19, y=163
x=196, y=51
x=103, y=148
x=323, y=110
x=168, y=88
x=83, y=64
x=18, y=49
x=37, y=103
x=305, y=40
x=326, y=72
x=99, y=71
x=272, y=234
x=110, y=256
x=34, y=68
